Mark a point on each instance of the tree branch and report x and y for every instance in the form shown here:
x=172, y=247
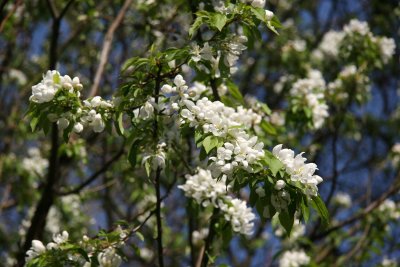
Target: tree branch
x=105, y=51
x=370, y=208
x=157, y=184
x=95, y=175
x=204, y=255
x=38, y=221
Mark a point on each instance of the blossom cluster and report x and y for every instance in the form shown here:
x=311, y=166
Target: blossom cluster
x=349, y=79
x=219, y=5
x=294, y=258
x=389, y=209
x=333, y=41
x=208, y=191
x=213, y=117
x=35, y=163
x=90, y=113
x=38, y=248
x=106, y=255
x=51, y=83
x=230, y=49
x=299, y=171
x=311, y=91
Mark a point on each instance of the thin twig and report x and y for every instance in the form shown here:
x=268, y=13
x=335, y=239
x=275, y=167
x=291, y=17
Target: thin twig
x=3, y=22
x=105, y=51
x=209, y=240
x=95, y=175
x=370, y=208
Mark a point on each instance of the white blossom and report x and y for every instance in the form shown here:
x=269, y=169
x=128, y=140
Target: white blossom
x=356, y=26
x=280, y=184
x=221, y=121
x=94, y=120
x=157, y=160
x=269, y=14
x=146, y=111
x=294, y=258
x=342, y=199
x=208, y=191
x=58, y=240
x=236, y=211
x=52, y=81
x=387, y=48
x=330, y=43
x=78, y=127
x=258, y=3
x=146, y=254
x=199, y=236
x=17, y=75
x=39, y=248
x=233, y=49
x=203, y=188
x=62, y=123
x=311, y=90
x=387, y=262
x=389, y=209
x=297, y=45
x=46, y=89
x=109, y=258
x=97, y=101
x=35, y=163
x=298, y=170
x=36, y=249
x=205, y=52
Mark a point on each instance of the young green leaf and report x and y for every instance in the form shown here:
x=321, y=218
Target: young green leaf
x=209, y=143
x=272, y=162
x=319, y=205
x=218, y=21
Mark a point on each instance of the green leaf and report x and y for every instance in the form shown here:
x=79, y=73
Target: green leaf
x=305, y=210
x=218, y=21
x=234, y=91
x=209, y=143
x=319, y=205
x=267, y=127
x=286, y=221
x=272, y=27
x=67, y=131
x=119, y=124
x=147, y=166
x=140, y=236
x=34, y=122
x=273, y=163
x=259, y=13
x=133, y=153
x=56, y=78
x=265, y=108
x=201, y=16
x=198, y=136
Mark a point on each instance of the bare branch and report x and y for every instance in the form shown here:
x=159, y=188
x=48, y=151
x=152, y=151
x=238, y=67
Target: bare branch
x=105, y=51
x=370, y=208
x=95, y=175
